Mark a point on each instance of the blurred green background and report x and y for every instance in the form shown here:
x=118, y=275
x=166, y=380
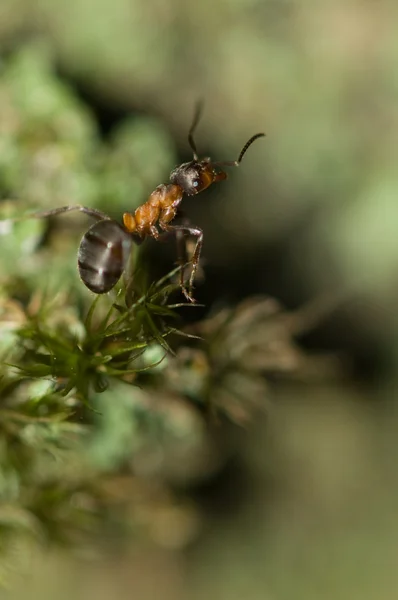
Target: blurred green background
x=308, y=506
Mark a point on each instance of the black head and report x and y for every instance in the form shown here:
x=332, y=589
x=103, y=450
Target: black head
x=194, y=176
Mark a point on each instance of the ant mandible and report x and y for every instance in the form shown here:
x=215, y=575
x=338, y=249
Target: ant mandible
x=105, y=248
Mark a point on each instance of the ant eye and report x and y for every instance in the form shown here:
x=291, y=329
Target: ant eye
x=197, y=182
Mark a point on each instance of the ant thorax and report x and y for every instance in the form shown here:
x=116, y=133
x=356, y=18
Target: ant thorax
x=194, y=176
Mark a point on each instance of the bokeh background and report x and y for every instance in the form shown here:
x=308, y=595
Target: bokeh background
x=307, y=506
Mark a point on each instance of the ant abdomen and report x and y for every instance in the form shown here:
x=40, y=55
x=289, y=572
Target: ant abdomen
x=103, y=255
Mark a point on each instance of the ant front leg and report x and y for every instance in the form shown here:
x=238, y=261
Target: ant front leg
x=155, y=233
x=180, y=231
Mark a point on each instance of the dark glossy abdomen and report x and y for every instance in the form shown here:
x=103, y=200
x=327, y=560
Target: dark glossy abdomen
x=103, y=255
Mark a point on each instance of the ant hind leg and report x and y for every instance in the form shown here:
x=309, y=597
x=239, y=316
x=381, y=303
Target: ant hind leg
x=180, y=232
x=92, y=212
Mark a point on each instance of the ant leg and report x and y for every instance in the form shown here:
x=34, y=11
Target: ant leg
x=155, y=233
x=181, y=256
x=181, y=243
x=181, y=248
x=92, y=212
x=196, y=256
x=198, y=234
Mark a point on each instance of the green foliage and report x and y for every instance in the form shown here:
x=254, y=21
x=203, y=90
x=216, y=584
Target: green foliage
x=86, y=394
x=81, y=356
x=54, y=364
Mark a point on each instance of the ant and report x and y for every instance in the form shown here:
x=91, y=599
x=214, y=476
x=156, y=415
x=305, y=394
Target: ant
x=105, y=248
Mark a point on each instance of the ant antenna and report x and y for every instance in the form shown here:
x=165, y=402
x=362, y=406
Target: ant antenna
x=196, y=119
x=236, y=163
x=248, y=144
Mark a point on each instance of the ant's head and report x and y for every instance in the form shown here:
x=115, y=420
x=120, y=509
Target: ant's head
x=195, y=176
